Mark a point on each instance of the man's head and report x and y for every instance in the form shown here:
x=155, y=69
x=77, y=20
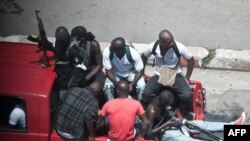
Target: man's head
x=166, y=38
x=78, y=32
x=97, y=87
x=62, y=34
x=62, y=42
x=166, y=98
x=122, y=89
x=117, y=45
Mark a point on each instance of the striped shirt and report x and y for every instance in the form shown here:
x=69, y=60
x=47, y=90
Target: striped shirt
x=79, y=106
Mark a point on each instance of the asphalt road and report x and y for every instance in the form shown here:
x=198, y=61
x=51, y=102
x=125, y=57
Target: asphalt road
x=227, y=92
x=206, y=23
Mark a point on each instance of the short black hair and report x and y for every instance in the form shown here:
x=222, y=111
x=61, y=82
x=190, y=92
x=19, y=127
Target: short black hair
x=167, y=96
x=118, y=39
x=78, y=32
x=62, y=43
x=62, y=34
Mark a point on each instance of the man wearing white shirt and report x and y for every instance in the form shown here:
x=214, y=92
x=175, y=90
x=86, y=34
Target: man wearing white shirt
x=17, y=117
x=167, y=53
x=121, y=65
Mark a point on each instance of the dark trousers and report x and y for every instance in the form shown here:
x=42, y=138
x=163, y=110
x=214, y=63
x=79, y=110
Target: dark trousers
x=100, y=76
x=180, y=88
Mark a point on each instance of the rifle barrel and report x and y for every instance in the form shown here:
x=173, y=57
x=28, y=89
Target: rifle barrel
x=37, y=11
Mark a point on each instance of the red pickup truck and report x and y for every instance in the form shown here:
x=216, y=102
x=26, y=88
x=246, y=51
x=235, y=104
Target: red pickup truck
x=23, y=78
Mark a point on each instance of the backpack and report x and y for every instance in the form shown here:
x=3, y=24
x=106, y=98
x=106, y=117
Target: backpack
x=176, y=50
x=127, y=52
x=78, y=55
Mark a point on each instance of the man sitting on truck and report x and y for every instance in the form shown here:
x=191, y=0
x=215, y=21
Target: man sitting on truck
x=163, y=124
x=63, y=67
x=122, y=113
x=122, y=62
x=88, y=52
x=79, y=108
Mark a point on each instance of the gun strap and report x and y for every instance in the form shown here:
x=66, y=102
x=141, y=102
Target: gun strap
x=88, y=46
x=128, y=54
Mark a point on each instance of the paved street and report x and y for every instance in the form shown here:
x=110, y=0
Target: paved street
x=211, y=24
x=206, y=23
x=228, y=92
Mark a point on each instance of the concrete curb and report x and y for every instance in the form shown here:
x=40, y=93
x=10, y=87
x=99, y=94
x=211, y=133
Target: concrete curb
x=230, y=60
x=224, y=59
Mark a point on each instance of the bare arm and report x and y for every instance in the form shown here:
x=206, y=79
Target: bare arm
x=144, y=125
x=137, y=77
x=190, y=67
x=151, y=114
x=95, y=47
x=111, y=76
x=165, y=125
x=91, y=131
x=144, y=60
x=99, y=122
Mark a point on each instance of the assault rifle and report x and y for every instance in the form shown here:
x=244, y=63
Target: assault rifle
x=193, y=126
x=209, y=136
x=43, y=43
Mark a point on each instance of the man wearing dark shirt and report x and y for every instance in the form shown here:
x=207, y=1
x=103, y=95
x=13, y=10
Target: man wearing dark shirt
x=79, y=108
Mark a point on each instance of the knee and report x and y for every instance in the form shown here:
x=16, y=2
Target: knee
x=140, y=86
x=147, y=97
x=187, y=97
x=108, y=85
x=146, y=93
x=140, y=83
x=148, y=90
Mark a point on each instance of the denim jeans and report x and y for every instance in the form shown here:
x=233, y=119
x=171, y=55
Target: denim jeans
x=211, y=126
x=175, y=134
x=109, y=88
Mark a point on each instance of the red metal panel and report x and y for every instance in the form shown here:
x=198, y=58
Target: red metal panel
x=104, y=138
x=22, y=76
x=20, y=71
x=32, y=119
x=44, y=117
x=55, y=137
x=198, y=100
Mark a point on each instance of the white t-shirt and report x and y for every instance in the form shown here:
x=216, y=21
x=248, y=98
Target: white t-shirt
x=170, y=57
x=17, y=117
x=122, y=67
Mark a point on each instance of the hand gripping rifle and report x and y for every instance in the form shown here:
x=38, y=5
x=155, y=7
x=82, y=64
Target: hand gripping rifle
x=43, y=43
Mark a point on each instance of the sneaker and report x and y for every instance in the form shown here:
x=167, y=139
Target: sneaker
x=241, y=119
